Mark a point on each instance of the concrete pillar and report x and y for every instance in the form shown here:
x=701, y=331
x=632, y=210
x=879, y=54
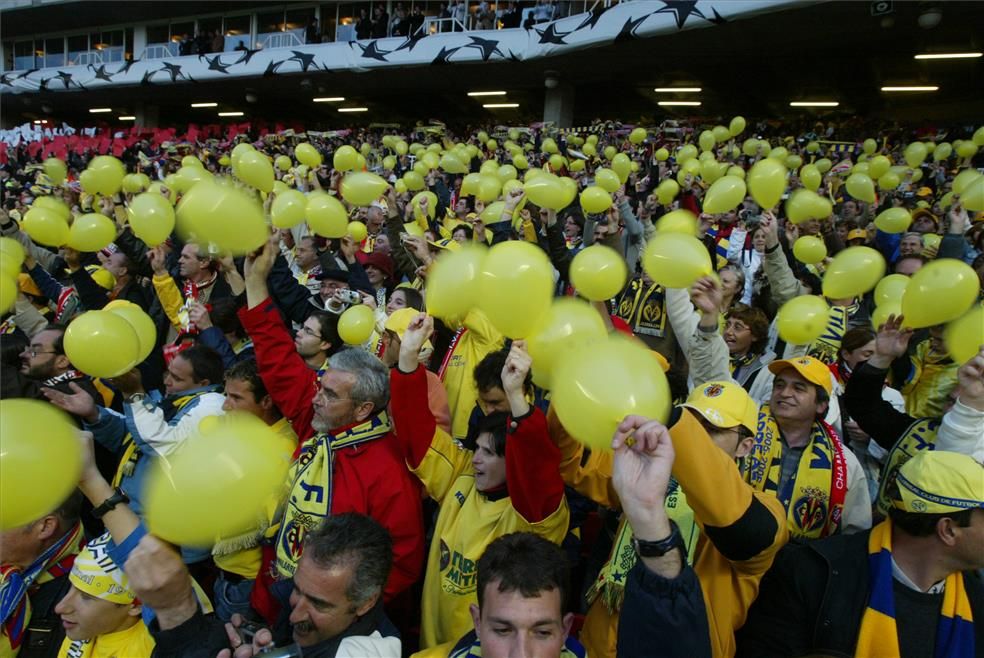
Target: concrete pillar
x=139, y=40
x=558, y=102
x=148, y=116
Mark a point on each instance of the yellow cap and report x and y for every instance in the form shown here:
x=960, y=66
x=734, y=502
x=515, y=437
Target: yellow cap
x=447, y=244
x=102, y=276
x=95, y=573
x=938, y=482
x=400, y=320
x=857, y=233
x=725, y=405
x=413, y=228
x=813, y=371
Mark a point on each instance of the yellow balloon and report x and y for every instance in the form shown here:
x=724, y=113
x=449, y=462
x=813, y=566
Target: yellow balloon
x=549, y=145
x=45, y=227
x=964, y=336
x=794, y=162
x=56, y=170
x=809, y=249
x=190, y=161
x=57, y=206
x=803, y=205
x=307, y=154
x=142, y=324
x=453, y=283
x=256, y=171
x=326, y=215
x=11, y=257
x=853, y=272
x=568, y=325
x=283, y=162
x=888, y=182
x=962, y=180
x=667, y=191
x=222, y=215
x=401, y=147
x=978, y=137
x=361, y=188
x=861, y=187
x=389, y=162
x=973, y=195
x=158, y=188
x=357, y=231
x=811, y=177
x=516, y=285
x=489, y=188
x=520, y=162
x=706, y=141
x=605, y=382
x=823, y=165
x=967, y=149
x=737, y=126
x=448, y=162
x=662, y=154
x=288, y=209
x=414, y=181
x=557, y=162
x=356, y=324
x=91, y=232
x=610, y=152
x=869, y=146
x=431, y=204
x=940, y=292
x=607, y=179
x=236, y=462
x=598, y=273
x=779, y=153
x=813, y=147
x=678, y=221
x=767, y=182
x=890, y=289
x=724, y=195
x=106, y=174
x=578, y=165
x=637, y=136
x=151, y=218
x=942, y=152
x=893, y=220
x=750, y=146
x=8, y=292
x=878, y=166
x=37, y=473
x=346, y=158
x=545, y=190
x=802, y=319
x=881, y=314
x=622, y=165
x=590, y=150
x=102, y=344
x=676, y=260
x=431, y=160
x=686, y=152
x=595, y=200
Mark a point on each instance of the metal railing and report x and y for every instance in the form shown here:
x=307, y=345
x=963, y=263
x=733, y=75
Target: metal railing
x=287, y=39
x=160, y=50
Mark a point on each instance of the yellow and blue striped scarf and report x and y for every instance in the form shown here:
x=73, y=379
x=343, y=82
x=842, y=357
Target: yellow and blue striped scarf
x=879, y=635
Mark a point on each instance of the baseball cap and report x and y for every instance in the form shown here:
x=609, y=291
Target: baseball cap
x=857, y=233
x=724, y=404
x=938, y=482
x=398, y=322
x=448, y=244
x=812, y=370
x=102, y=276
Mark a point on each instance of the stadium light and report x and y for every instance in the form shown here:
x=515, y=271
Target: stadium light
x=671, y=103
x=127, y=118
x=230, y=114
x=497, y=106
x=353, y=109
x=948, y=55
x=912, y=88
x=814, y=104
x=204, y=104
x=486, y=93
x=329, y=99
x=677, y=90
x=100, y=110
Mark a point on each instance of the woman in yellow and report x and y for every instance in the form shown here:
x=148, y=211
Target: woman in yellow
x=100, y=614
x=506, y=480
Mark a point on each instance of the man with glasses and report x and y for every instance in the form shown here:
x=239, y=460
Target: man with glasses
x=348, y=460
x=45, y=362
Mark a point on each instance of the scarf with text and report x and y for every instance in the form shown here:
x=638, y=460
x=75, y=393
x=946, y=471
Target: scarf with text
x=827, y=346
x=814, y=499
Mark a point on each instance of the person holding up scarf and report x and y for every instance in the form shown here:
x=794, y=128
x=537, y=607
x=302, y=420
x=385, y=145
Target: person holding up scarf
x=348, y=459
x=901, y=589
x=731, y=532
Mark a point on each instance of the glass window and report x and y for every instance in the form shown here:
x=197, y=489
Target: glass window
x=78, y=46
x=237, y=31
x=113, y=38
x=128, y=44
x=54, y=52
x=269, y=22
x=24, y=55
x=179, y=30
x=210, y=24
x=158, y=33
x=329, y=15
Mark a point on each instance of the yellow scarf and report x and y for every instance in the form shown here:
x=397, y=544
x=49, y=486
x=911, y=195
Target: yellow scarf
x=921, y=435
x=311, y=492
x=814, y=499
x=643, y=308
x=610, y=584
x=826, y=347
x=134, y=642
x=879, y=635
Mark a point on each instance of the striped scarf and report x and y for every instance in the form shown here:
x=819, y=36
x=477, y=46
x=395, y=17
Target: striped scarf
x=814, y=499
x=827, y=347
x=310, y=498
x=15, y=584
x=879, y=635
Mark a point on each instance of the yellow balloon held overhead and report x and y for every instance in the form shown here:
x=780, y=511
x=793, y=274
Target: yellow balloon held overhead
x=56, y=170
x=91, y=232
x=106, y=174
x=102, y=344
x=811, y=177
x=890, y=289
x=853, y=272
x=11, y=257
x=803, y=205
x=893, y=220
x=568, y=325
x=256, y=171
x=878, y=166
x=362, y=188
x=767, y=182
x=802, y=319
x=544, y=190
x=667, y=191
x=823, y=165
x=662, y=154
x=489, y=188
x=809, y=249
x=973, y=196
x=220, y=214
x=964, y=337
x=737, y=126
x=308, y=155
x=888, y=182
x=940, y=292
x=607, y=381
x=40, y=463
x=678, y=221
x=706, y=141
x=238, y=464
x=345, y=158
x=45, y=227
x=861, y=187
x=283, y=162
x=516, y=285
x=595, y=200
x=869, y=146
x=963, y=180
x=288, y=209
x=724, y=195
x=151, y=218
x=967, y=149
x=598, y=273
x=607, y=179
x=637, y=136
x=676, y=260
x=549, y=145
x=142, y=325
x=357, y=231
x=8, y=292
x=356, y=324
x=453, y=283
x=326, y=215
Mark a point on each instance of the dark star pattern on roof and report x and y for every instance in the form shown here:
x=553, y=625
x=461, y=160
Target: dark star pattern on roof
x=246, y=56
x=488, y=47
x=628, y=31
x=371, y=51
x=718, y=18
x=551, y=35
x=681, y=9
x=100, y=73
x=304, y=59
x=412, y=41
x=591, y=19
x=444, y=56
x=215, y=64
x=127, y=66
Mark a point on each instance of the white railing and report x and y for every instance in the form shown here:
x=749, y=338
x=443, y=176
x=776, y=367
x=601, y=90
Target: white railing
x=287, y=39
x=160, y=50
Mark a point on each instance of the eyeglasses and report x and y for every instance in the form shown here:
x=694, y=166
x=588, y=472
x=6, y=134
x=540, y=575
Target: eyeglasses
x=310, y=332
x=330, y=396
x=34, y=351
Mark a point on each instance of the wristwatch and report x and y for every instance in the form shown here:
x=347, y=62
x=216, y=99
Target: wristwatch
x=136, y=398
x=110, y=503
x=663, y=546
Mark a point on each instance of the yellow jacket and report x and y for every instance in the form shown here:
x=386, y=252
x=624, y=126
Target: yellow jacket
x=476, y=338
x=741, y=530
x=170, y=298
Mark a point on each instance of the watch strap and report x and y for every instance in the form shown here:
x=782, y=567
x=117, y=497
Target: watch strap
x=661, y=547
x=110, y=503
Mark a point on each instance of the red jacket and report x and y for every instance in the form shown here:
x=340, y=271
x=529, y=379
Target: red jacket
x=370, y=478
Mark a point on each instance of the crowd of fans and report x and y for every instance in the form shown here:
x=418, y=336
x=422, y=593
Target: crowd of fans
x=800, y=499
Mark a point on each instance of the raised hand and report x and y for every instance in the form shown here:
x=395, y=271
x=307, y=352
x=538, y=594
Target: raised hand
x=891, y=342
x=78, y=402
x=514, y=373
x=707, y=296
x=642, y=465
x=417, y=333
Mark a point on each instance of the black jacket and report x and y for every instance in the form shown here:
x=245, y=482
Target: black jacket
x=44, y=634
x=812, y=600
